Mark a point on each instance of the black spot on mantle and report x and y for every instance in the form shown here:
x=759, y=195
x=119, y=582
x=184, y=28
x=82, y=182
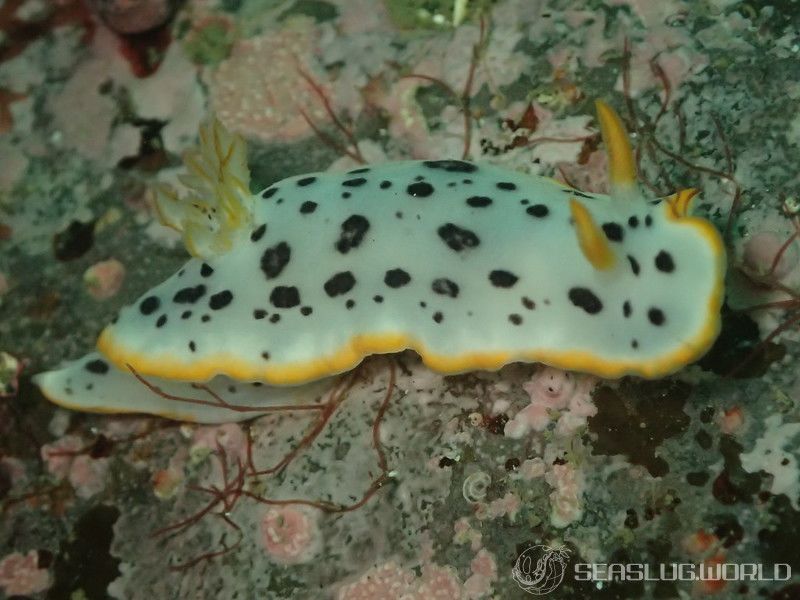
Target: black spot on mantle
x=396, y=278
x=189, y=295
x=149, y=305
x=502, y=279
x=275, y=259
x=353, y=230
x=478, y=201
x=451, y=166
x=97, y=366
x=539, y=211
x=664, y=262
x=308, y=207
x=339, y=284
x=420, y=189
x=258, y=232
x=445, y=287
x=634, y=265
x=656, y=316
x=626, y=309
x=284, y=296
x=613, y=231
x=586, y=299
x=458, y=238
x=220, y=300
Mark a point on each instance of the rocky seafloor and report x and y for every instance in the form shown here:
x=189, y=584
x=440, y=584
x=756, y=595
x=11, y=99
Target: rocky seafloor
x=419, y=485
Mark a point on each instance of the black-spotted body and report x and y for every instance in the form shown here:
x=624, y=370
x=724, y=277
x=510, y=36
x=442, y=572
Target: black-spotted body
x=470, y=265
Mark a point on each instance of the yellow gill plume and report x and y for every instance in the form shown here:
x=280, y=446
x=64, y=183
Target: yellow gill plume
x=621, y=164
x=591, y=239
x=219, y=204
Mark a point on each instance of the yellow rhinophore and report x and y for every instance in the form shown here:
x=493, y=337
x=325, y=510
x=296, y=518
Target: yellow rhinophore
x=592, y=240
x=621, y=164
x=681, y=202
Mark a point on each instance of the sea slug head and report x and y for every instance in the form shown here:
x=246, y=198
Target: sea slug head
x=669, y=263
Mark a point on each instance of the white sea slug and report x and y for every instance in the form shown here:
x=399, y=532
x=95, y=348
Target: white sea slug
x=471, y=266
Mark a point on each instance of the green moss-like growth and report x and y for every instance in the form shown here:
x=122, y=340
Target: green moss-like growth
x=210, y=43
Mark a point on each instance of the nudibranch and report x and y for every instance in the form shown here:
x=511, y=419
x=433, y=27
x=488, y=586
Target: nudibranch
x=471, y=266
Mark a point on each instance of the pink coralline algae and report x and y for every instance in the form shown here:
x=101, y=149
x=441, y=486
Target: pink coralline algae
x=290, y=534
x=507, y=505
x=166, y=483
x=557, y=131
x=589, y=176
x=671, y=50
x=229, y=438
x=464, y=532
x=556, y=395
x=259, y=92
x=59, y=454
x=438, y=583
x=731, y=421
x=20, y=574
x=88, y=475
x=385, y=581
x=484, y=573
x=565, y=501
x=65, y=459
x=408, y=123
x=85, y=118
x=228, y=442
x=532, y=468
x=391, y=582
x=104, y=279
